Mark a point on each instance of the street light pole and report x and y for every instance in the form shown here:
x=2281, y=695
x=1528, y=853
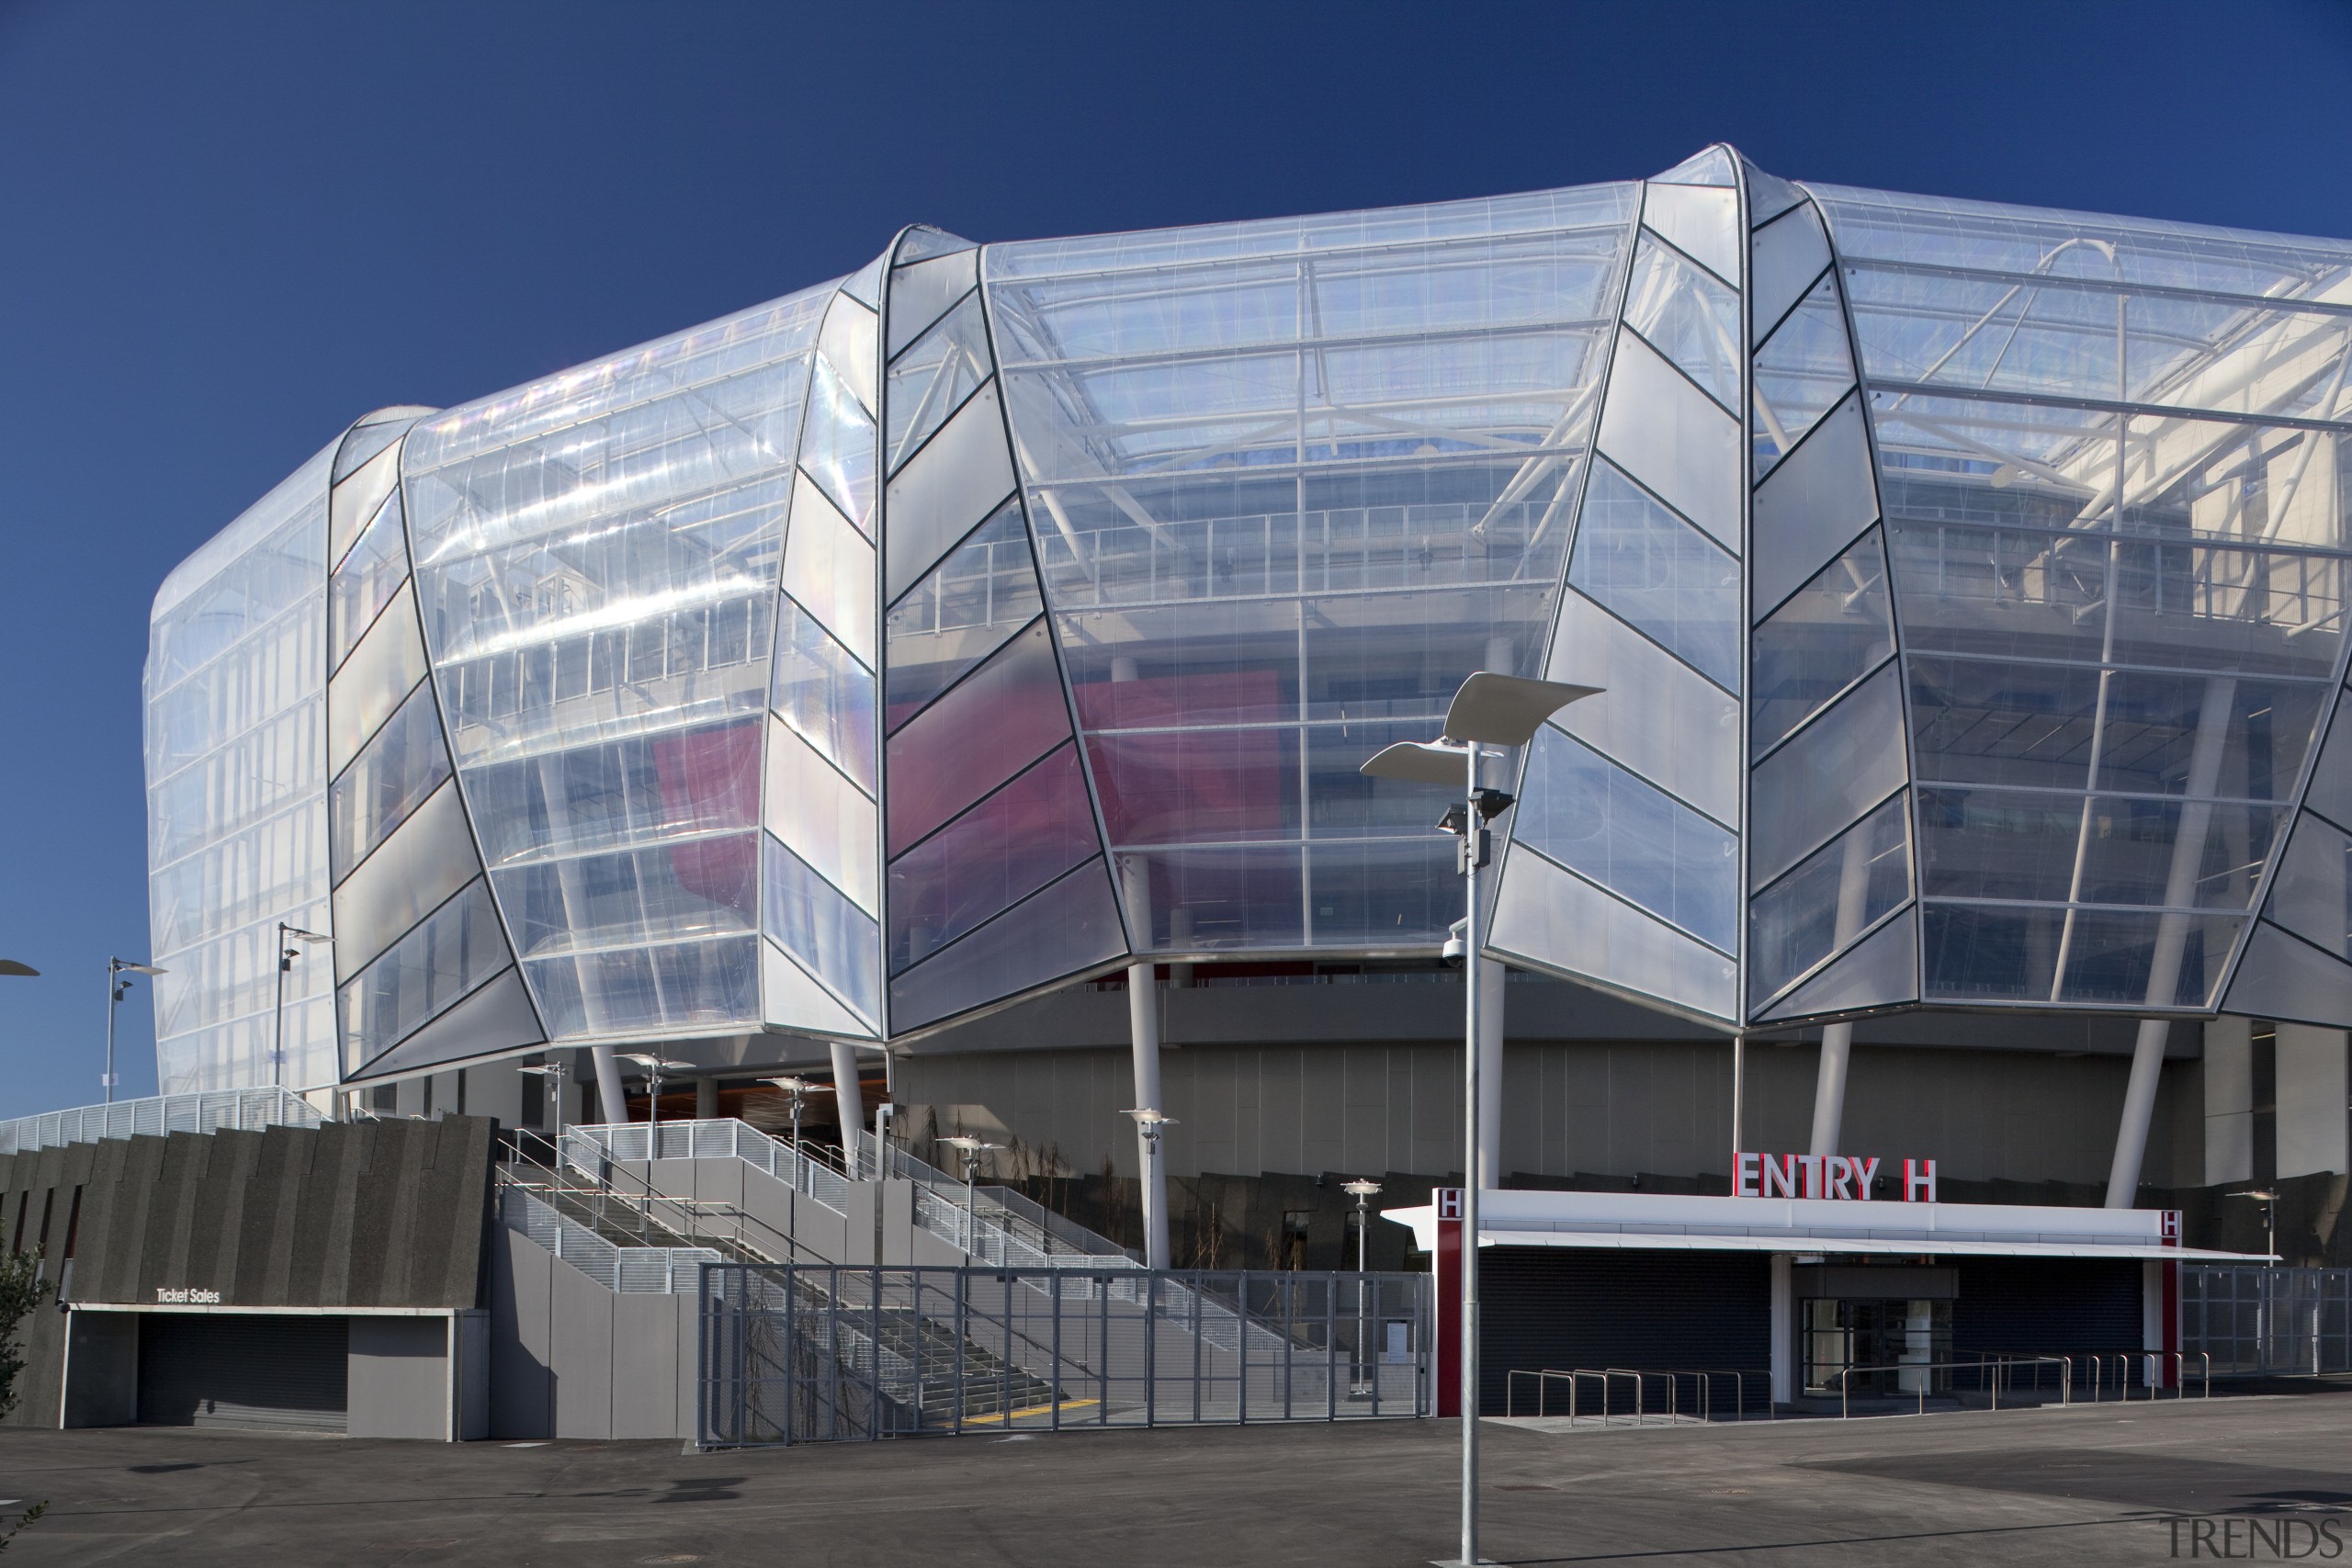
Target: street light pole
x=1362, y=1189
x=553, y=1072
x=970, y=1148
x=654, y=1066
x=116, y=988
x=1150, y=1123
x=799, y=1089
x=1488, y=710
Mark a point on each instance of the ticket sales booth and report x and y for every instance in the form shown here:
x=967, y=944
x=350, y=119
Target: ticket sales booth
x=1873, y=1298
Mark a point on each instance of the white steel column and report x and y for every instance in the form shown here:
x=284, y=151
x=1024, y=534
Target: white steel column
x=612, y=1105
x=847, y=1100
x=1491, y=1073
x=1829, y=1086
x=2172, y=942
x=2139, y=1105
x=1142, y=1034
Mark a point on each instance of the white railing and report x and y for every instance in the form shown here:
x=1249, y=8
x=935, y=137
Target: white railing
x=207, y=1111
x=644, y=1270
x=584, y=1148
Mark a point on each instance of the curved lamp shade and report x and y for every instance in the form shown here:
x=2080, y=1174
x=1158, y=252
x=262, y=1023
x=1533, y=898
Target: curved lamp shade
x=10, y=967
x=1504, y=710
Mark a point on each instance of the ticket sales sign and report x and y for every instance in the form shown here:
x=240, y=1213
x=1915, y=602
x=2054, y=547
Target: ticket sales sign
x=1825, y=1176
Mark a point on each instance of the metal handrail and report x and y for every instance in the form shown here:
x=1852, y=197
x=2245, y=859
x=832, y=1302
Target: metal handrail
x=208, y=1110
x=1703, y=1380
x=2152, y=1376
x=1999, y=1366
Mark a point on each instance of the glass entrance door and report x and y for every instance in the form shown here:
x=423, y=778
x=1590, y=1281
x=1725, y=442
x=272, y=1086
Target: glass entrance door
x=1874, y=1346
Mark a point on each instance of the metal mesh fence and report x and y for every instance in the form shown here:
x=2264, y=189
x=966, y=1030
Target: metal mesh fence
x=2255, y=1321
x=829, y=1353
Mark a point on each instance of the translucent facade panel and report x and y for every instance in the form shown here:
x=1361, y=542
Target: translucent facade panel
x=1234, y=785
x=832, y=939
x=823, y=693
x=1554, y=921
x=1701, y=221
x=1186, y=665
x=498, y=1017
x=236, y=794
x=921, y=291
x=645, y=789
x=1482, y=219
x=1992, y=952
x=980, y=594
x=1391, y=655
x=1341, y=803
x=1882, y=969
x=1802, y=370
x=1710, y=167
x=829, y=569
x=1832, y=896
x=791, y=998
x=1826, y=776
x=2283, y=978
x=1385, y=896
x=1675, y=440
x=997, y=721
x=1688, y=315
x=1769, y=195
x=454, y=950
x=2044, y=243
x=837, y=447
x=355, y=502
x=931, y=380
x=921, y=244
x=378, y=677
x=1003, y=849
x=2330, y=793
x=851, y=348
x=1836, y=629
x=371, y=435
x=2014, y=844
x=2257, y=734
x=685, y=988
x=390, y=778
x=865, y=285
x=1659, y=574
x=961, y=475
x=1224, y=899
x=1982, y=721
x=1596, y=818
x=376, y=569
x=1811, y=507
x=2312, y=896
x=821, y=817
x=1654, y=714
x=1070, y=926
x=596, y=904
x=1789, y=254
x=425, y=861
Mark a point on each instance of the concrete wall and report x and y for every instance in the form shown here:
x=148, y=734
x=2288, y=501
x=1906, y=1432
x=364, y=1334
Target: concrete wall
x=400, y=1377
x=569, y=1359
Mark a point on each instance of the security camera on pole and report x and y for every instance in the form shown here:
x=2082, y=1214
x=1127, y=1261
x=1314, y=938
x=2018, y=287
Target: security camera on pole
x=1497, y=711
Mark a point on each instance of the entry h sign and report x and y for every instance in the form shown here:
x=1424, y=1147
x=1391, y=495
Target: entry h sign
x=1825, y=1176
x=1448, y=1203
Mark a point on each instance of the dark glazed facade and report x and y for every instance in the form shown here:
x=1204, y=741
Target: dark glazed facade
x=1967, y=583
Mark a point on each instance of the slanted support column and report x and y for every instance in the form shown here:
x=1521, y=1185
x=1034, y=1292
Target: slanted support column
x=2139, y=1106
x=847, y=1100
x=612, y=1105
x=1829, y=1086
x=1491, y=1073
x=2172, y=940
x=1142, y=1031
x=705, y=1099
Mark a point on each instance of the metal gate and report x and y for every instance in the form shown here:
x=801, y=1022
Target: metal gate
x=829, y=1353
x=2255, y=1321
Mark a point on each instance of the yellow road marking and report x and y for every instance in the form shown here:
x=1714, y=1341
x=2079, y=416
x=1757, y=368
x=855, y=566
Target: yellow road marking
x=1032, y=1410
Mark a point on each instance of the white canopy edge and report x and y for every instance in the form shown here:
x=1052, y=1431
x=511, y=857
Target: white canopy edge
x=1934, y=1247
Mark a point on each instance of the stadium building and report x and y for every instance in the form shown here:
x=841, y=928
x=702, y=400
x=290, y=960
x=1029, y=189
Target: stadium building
x=950, y=682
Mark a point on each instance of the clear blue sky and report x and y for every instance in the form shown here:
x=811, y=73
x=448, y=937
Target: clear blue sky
x=228, y=229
